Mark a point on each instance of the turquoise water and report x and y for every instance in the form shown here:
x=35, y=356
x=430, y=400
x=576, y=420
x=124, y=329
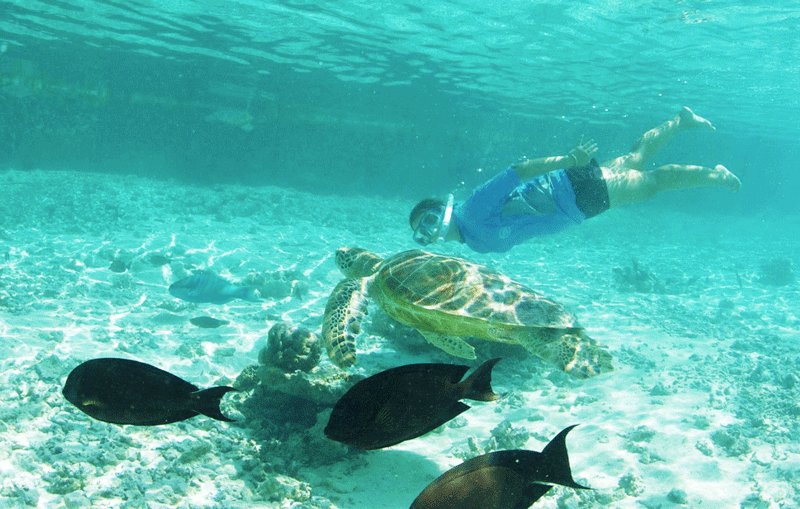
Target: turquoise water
x=144, y=140
x=391, y=97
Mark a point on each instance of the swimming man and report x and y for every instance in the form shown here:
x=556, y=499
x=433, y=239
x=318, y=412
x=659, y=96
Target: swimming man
x=545, y=195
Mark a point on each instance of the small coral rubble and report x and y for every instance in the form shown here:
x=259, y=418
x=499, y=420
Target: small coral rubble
x=291, y=348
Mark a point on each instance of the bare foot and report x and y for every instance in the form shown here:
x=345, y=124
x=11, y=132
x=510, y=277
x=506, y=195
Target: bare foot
x=692, y=119
x=727, y=178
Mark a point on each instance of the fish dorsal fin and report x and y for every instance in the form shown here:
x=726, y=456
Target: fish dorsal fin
x=478, y=385
x=554, y=455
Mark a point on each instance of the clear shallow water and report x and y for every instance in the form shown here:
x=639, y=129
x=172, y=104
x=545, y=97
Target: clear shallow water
x=701, y=405
x=368, y=106
x=389, y=97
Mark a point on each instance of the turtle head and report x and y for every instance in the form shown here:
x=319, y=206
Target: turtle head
x=357, y=262
x=576, y=353
x=582, y=357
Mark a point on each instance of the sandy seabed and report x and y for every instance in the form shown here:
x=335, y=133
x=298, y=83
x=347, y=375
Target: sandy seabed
x=700, y=313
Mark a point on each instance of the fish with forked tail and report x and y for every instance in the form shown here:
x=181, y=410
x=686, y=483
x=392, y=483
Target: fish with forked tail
x=122, y=391
x=206, y=287
x=512, y=479
x=405, y=402
x=207, y=322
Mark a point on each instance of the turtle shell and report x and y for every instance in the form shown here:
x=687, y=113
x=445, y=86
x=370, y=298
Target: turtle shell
x=453, y=296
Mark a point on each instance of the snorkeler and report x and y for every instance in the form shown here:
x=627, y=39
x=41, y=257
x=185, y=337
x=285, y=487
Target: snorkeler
x=546, y=195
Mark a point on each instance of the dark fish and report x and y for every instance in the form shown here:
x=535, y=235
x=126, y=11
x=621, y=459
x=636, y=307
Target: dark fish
x=157, y=260
x=205, y=286
x=118, y=266
x=512, y=479
x=122, y=391
x=206, y=322
x=405, y=402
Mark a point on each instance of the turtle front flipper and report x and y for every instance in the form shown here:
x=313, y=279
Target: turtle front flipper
x=453, y=345
x=346, y=307
x=573, y=351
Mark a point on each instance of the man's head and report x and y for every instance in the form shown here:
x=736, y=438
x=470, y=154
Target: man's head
x=430, y=219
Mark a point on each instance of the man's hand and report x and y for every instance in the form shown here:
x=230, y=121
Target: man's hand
x=582, y=154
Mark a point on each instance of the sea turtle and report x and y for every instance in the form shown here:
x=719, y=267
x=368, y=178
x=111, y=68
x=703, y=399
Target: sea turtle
x=448, y=299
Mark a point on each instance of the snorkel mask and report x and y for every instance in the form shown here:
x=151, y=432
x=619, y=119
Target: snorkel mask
x=434, y=224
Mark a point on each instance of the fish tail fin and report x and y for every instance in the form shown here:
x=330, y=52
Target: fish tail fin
x=207, y=402
x=557, y=459
x=478, y=385
x=249, y=294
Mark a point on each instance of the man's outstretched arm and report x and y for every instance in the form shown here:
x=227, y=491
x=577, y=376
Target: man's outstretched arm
x=578, y=156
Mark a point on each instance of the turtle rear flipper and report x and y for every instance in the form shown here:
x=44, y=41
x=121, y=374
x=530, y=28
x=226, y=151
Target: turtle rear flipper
x=574, y=352
x=453, y=345
x=346, y=307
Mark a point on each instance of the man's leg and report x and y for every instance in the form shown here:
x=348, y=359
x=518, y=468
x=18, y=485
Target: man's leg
x=631, y=186
x=654, y=139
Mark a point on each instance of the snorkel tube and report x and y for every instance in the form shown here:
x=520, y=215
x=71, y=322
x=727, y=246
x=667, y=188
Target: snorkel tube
x=447, y=216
